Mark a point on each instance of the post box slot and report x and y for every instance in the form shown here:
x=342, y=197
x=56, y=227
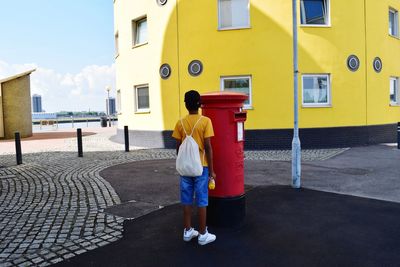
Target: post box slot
x=240, y=116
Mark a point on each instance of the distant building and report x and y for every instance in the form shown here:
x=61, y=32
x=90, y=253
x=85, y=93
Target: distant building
x=15, y=106
x=37, y=103
x=112, y=106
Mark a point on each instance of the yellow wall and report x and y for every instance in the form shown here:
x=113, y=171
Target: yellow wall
x=265, y=52
x=140, y=65
x=240, y=52
x=381, y=44
x=325, y=50
x=17, y=116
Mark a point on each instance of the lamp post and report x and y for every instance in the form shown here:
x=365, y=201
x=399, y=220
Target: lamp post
x=296, y=147
x=108, y=88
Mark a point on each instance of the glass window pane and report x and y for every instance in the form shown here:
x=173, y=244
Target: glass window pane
x=143, y=98
x=391, y=20
x=240, y=85
x=116, y=45
x=234, y=13
x=141, y=31
x=313, y=12
x=315, y=90
x=119, y=107
x=393, y=90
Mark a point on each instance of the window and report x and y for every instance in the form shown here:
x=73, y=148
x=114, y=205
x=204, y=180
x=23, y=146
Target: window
x=233, y=14
x=238, y=84
x=316, y=90
x=116, y=45
x=394, y=91
x=119, y=106
x=142, y=98
x=314, y=12
x=393, y=23
x=139, y=31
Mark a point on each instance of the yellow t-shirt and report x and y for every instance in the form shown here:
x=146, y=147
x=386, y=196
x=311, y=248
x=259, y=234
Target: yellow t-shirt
x=204, y=129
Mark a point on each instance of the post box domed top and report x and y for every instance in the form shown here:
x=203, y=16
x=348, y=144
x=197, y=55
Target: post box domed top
x=223, y=99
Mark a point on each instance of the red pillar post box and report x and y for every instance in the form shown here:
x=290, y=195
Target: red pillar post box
x=227, y=201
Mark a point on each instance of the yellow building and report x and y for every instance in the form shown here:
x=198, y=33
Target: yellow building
x=349, y=54
x=15, y=106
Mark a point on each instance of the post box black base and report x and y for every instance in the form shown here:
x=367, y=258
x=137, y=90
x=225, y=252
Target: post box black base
x=226, y=212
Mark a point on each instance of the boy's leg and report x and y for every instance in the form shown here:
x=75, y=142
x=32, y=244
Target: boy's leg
x=187, y=190
x=202, y=219
x=201, y=191
x=187, y=216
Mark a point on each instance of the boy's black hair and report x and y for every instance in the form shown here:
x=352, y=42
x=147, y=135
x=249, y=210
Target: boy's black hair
x=192, y=100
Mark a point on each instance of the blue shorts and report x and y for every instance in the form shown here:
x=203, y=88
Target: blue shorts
x=195, y=186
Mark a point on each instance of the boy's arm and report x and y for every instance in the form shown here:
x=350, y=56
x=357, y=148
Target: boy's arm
x=178, y=144
x=176, y=134
x=209, y=156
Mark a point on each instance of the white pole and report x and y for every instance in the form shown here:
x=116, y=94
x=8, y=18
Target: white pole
x=108, y=105
x=296, y=147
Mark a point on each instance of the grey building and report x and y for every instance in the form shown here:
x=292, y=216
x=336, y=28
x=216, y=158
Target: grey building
x=37, y=103
x=111, y=104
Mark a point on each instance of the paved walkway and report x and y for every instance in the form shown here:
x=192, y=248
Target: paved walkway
x=57, y=206
x=94, y=139
x=283, y=227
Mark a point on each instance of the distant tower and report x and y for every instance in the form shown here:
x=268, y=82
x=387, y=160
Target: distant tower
x=112, y=106
x=37, y=103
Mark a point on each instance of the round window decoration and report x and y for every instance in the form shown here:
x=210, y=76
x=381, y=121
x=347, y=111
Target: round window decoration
x=195, y=68
x=377, y=64
x=353, y=63
x=165, y=71
x=161, y=2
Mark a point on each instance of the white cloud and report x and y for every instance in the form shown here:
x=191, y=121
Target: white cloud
x=73, y=92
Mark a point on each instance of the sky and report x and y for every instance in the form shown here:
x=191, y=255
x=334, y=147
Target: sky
x=71, y=45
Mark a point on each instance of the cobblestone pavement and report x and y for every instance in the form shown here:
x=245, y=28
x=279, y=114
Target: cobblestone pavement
x=52, y=206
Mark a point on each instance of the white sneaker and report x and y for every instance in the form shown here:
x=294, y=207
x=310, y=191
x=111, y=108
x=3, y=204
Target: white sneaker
x=206, y=238
x=188, y=235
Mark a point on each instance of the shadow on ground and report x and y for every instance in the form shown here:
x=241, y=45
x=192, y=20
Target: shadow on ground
x=284, y=227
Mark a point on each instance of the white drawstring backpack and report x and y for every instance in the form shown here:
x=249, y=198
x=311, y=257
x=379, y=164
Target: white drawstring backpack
x=188, y=161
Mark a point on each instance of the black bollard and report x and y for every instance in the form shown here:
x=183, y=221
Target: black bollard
x=18, y=148
x=79, y=135
x=126, y=134
x=398, y=135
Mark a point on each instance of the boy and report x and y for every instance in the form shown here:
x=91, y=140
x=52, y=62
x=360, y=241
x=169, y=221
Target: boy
x=197, y=186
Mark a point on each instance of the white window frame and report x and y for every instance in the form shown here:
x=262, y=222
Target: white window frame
x=328, y=18
x=135, y=32
x=317, y=105
x=395, y=23
x=222, y=87
x=137, y=109
x=397, y=91
x=220, y=28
